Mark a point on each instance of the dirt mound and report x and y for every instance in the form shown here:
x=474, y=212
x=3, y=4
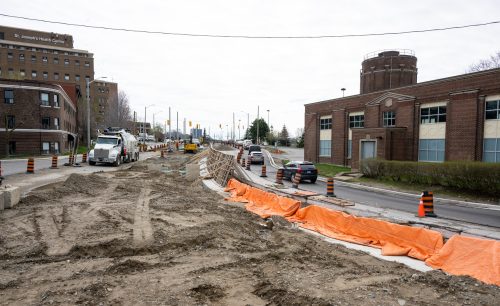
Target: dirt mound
x=129, y=266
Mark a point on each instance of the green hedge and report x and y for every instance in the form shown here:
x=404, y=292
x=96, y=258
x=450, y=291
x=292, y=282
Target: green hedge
x=468, y=176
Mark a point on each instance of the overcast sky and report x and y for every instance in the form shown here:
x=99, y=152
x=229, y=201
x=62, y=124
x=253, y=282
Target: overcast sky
x=207, y=79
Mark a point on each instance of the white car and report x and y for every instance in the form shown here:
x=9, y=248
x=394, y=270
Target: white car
x=257, y=157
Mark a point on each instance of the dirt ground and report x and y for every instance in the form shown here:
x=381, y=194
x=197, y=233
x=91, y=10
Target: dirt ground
x=147, y=236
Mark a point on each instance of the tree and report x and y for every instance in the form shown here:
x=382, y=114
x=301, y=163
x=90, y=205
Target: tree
x=263, y=130
x=118, y=112
x=485, y=64
x=283, y=137
x=300, y=139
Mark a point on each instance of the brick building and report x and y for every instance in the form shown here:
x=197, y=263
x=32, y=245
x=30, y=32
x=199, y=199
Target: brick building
x=50, y=57
x=396, y=118
x=36, y=117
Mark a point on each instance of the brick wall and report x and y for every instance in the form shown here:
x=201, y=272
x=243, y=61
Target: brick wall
x=465, y=94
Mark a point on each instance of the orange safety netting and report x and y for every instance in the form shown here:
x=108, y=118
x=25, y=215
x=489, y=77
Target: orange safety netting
x=262, y=203
x=479, y=258
x=393, y=239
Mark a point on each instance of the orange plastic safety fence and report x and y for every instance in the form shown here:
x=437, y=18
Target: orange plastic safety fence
x=262, y=203
x=479, y=258
x=393, y=239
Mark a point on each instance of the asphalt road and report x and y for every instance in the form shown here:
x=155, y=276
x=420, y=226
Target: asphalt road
x=15, y=166
x=394, y=201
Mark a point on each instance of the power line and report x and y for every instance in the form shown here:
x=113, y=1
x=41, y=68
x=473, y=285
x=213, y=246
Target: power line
x=253, y=37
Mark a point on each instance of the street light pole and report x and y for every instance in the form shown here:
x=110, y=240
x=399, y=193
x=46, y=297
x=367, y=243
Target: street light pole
x=144, y=125
x=267, y=118
x=88, y=81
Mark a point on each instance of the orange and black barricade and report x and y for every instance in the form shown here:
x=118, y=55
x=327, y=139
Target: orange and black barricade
x=296, y=179
x=330, y=188
x=428, y=200
x=54, y=162
x=263, y=173
x=279, y=176
x=249, y=161
x=31, y=166
x=84, y=157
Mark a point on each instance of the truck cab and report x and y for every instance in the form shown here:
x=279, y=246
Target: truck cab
x=113, y=147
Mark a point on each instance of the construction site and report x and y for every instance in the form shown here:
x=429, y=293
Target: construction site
x=180, y=229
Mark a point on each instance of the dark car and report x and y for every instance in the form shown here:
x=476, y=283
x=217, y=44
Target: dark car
x=254, y=148
x=307, y=170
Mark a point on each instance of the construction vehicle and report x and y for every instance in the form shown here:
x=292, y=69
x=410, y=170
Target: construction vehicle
x=114, y=146
x=190, y=146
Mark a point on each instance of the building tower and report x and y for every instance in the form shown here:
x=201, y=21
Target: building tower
x=388, y=69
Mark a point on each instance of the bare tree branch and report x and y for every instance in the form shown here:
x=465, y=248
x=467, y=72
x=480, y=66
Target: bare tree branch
x=485, y=64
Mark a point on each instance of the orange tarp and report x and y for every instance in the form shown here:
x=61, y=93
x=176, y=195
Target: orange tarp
x=479, y=258
x=262, y=203
x=393, y=239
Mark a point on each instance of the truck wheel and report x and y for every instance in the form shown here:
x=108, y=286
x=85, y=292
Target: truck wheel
x=92, y=163
x=118, y=161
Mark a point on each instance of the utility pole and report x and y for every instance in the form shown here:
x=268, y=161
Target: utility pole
x=177, y=131
x=169, y=124
x=257, y=125
x=233, y=129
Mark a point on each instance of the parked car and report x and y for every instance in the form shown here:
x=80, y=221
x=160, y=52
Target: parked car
x=307, y=170
x=257, y=157
x=254, y=148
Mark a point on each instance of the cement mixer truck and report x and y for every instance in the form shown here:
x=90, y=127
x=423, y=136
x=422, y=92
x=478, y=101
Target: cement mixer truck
x=114, y=146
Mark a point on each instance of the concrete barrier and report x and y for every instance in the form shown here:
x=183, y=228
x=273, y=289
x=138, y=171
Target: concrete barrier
x=11, y=196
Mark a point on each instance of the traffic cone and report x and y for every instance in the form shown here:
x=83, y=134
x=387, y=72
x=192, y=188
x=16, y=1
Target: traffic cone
x=421, y=210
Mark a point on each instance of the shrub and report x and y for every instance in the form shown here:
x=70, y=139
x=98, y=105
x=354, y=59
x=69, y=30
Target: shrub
x=464, y=175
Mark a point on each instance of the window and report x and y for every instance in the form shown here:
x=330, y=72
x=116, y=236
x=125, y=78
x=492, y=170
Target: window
x=56, y=100
x=56, y=75
x=46, y=123
x=33, y=74
x=77, y=63
x=44, y=98
x=56, y=123
x=491, y=150
x=22, y=72
x=1, y=36
x=45, y=147
x=10, y=55
x=87, y=64
x=11, y=72
x=433, y=114
x=56, y=52
x=45, y=74
x=21, y=57
x=325, y=124
x=431, y=150
x=33, y=58
x=87, y=78
x=66, y=61
x=8, y=96
x=357, y=121
x=66, y=77
x=389, y=119
x=12, y=147
x=493, y=110
x=77, y=77
x=56, y=148
x=56, y=60
x=11, y=121
x=325, y=148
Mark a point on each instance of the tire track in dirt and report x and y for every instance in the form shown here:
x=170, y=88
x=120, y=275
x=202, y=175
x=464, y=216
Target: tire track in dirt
x=142, y=229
